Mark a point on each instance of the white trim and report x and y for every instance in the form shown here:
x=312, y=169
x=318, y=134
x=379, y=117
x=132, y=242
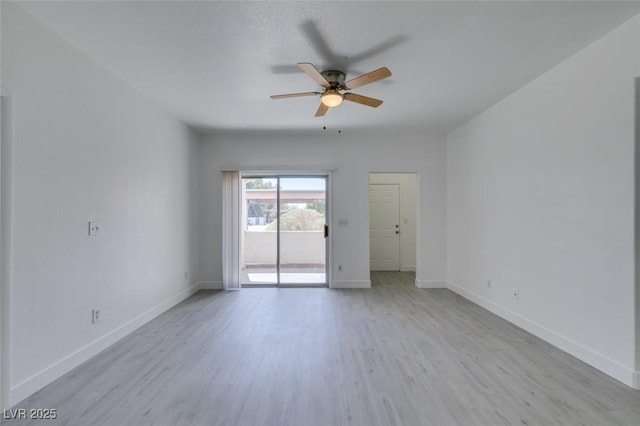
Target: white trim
x=41, y=379
x=636, y=379
x=2, y=291
x=278, y=170
x=591, y=357
x=430, y=283
x=351, y=284
x=6, y=241
x=407, y=268
x=210, y=285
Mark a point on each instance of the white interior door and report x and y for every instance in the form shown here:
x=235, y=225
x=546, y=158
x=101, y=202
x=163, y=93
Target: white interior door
x=384, y=227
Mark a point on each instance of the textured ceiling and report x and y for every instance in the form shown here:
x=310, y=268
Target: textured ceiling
x=214, y=64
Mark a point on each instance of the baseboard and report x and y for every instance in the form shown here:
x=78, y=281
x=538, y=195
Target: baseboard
x=41, y=379
x=351, y=284
x=210, y=285
x=430, y=284
x=408, y=268
x=612, y=368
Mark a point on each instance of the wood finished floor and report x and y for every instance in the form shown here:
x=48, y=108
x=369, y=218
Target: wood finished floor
x=389, y=355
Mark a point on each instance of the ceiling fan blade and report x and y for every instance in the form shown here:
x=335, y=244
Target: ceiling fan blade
x=319, y=43
x=322, y=110
x=314, y=73
x=294, y=95
x=368, y=78
x=364, y=100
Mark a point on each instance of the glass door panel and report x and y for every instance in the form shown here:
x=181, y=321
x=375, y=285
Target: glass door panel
x=259, y=239
x=302, y=230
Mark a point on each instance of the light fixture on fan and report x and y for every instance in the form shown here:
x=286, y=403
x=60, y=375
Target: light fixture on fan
x=331, y=98
x=333, y=83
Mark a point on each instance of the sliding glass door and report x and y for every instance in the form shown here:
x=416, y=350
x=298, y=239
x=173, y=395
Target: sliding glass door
x=284, y=236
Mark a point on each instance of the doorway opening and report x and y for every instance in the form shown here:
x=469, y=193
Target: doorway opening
x=392, y=221
x=284, y=231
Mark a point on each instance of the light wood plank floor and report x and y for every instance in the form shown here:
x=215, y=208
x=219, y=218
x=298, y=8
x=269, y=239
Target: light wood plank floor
x=391, y=355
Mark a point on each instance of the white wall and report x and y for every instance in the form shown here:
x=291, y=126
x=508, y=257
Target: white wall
x=353, y=155
x=541, y=199
x=407, y=187
x=87, y=147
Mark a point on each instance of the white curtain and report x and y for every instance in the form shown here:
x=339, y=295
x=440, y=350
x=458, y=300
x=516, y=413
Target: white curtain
x=231, y=230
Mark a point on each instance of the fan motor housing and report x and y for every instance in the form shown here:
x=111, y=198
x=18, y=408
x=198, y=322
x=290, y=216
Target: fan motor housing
x=334, y=77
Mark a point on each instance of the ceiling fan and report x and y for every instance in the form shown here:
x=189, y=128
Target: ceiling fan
x=333, y=84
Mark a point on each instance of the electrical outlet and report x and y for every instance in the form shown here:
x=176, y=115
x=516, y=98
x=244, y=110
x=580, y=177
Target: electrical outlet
x=95, y=316
x=94, y=228
x=516, y=294
x=489, y=284
x=340, y=268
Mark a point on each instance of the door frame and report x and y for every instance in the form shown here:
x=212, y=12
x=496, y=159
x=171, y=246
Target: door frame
x=277, y=174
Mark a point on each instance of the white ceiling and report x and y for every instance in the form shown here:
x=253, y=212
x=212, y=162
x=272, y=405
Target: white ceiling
x=214, y=64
